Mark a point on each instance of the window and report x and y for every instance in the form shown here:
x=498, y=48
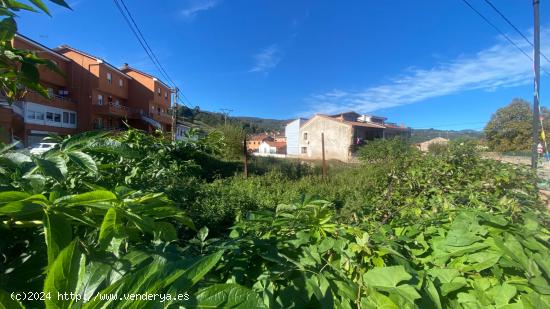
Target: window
x=109, y=78
x=166, y=95
x=50, y=92
x=120, y=83
x=158, y=90
x=65, y=117
x=57, y=117
x=117, y=103
x=49, y=116
x=305, y=136
x=72, y=118
x=110, y=99
x=31, y=115
x=304, y=149
x=39, y=115
x=99, y=99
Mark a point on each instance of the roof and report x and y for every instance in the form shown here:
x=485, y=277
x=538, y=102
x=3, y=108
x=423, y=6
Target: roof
x=259, y=137
x=40, y=46
x=349, y=123
x=345, y=113
x=67, y=47
x=302, y=119
x=276, y=144
x=125, y=68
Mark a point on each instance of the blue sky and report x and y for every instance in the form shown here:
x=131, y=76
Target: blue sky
x=428, y=63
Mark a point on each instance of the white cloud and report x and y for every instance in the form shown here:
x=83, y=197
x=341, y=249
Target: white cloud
x=498, y=66
x=197, y=6
x=267, y=59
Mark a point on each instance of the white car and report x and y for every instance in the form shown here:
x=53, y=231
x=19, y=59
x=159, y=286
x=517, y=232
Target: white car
x=40, y=148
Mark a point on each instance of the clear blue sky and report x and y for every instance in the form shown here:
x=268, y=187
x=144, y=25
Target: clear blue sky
x=425, y=63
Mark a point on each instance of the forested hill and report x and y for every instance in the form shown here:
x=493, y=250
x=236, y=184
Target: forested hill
x=421, y=135
x=207, y=119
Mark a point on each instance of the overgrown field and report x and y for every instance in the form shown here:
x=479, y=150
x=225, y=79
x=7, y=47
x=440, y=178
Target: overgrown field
x=104, y=215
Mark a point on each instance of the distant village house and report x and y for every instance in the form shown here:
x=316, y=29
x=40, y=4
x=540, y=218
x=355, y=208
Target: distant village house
x=343, y=134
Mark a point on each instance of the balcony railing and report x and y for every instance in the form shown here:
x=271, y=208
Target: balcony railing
x=112, y=109
x=33, y=96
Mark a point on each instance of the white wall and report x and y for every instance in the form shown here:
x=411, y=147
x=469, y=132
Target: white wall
x=265, y=148
x=38, y=114
x=292, y=134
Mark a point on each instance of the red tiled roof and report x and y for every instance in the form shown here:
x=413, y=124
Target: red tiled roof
x=276, y=144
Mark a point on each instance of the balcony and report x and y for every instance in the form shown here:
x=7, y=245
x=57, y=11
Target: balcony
x=54, y=100
x=111, y=109
x=161, y=117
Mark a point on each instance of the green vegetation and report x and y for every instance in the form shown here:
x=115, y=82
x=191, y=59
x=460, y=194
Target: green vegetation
x=134, y=213
x=511, y=127
x=131, y=220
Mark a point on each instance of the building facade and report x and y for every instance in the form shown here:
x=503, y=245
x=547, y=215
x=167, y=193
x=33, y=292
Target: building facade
x=343, y=134
x=33, y=117
x=90, y=94
x=292, y=135
x=151, y=98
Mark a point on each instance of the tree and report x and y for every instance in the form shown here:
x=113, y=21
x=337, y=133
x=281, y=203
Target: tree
x=511, y=127
x=19, y=68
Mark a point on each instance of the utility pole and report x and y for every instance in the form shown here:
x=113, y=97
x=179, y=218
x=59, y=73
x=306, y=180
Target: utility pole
x=324, y=161
x=175, y=114
x=225, y=112
x=536, y=56
x=245, y=152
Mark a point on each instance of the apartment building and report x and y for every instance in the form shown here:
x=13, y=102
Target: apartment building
x=101, y=89
x=33, y=117
x=91, y=94
x=151, y=98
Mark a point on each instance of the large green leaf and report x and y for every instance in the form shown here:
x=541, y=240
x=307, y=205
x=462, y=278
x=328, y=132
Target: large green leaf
x=49, y=168
x=109, y=228
x=386, y=277
x=10, y=196
x=182, y=279
x=41, y=6
x=58, y=233
x=227, y=296
x=83, y=160
x=88, y=198
x=62, y=276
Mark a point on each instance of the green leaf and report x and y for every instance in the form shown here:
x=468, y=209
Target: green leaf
x=83, y=160
x=182, y=279
x=58, y=233
x=109, y=228
x=10, y=196
x=61, y=2
x=8, y=28
x=20, y=208
x=41, y=6
x=6, y=302
x=48, y=168
x=87, y=198
x=62, y=276
x=227, y=296
x=386, y=277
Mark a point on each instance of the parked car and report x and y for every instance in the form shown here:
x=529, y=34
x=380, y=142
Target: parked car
x=40, y=148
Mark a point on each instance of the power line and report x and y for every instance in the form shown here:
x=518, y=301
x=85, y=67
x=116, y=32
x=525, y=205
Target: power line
x=160, y=67
x=497, y=29
x=513, y=26
x=130, y=21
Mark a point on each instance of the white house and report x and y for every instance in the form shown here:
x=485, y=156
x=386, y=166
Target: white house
x=269, y=147
x=292, y=135
x=180, y=131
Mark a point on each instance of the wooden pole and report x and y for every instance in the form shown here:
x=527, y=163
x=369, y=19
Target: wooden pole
x=324, y=161
x=536, y=56
x=245, y=152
